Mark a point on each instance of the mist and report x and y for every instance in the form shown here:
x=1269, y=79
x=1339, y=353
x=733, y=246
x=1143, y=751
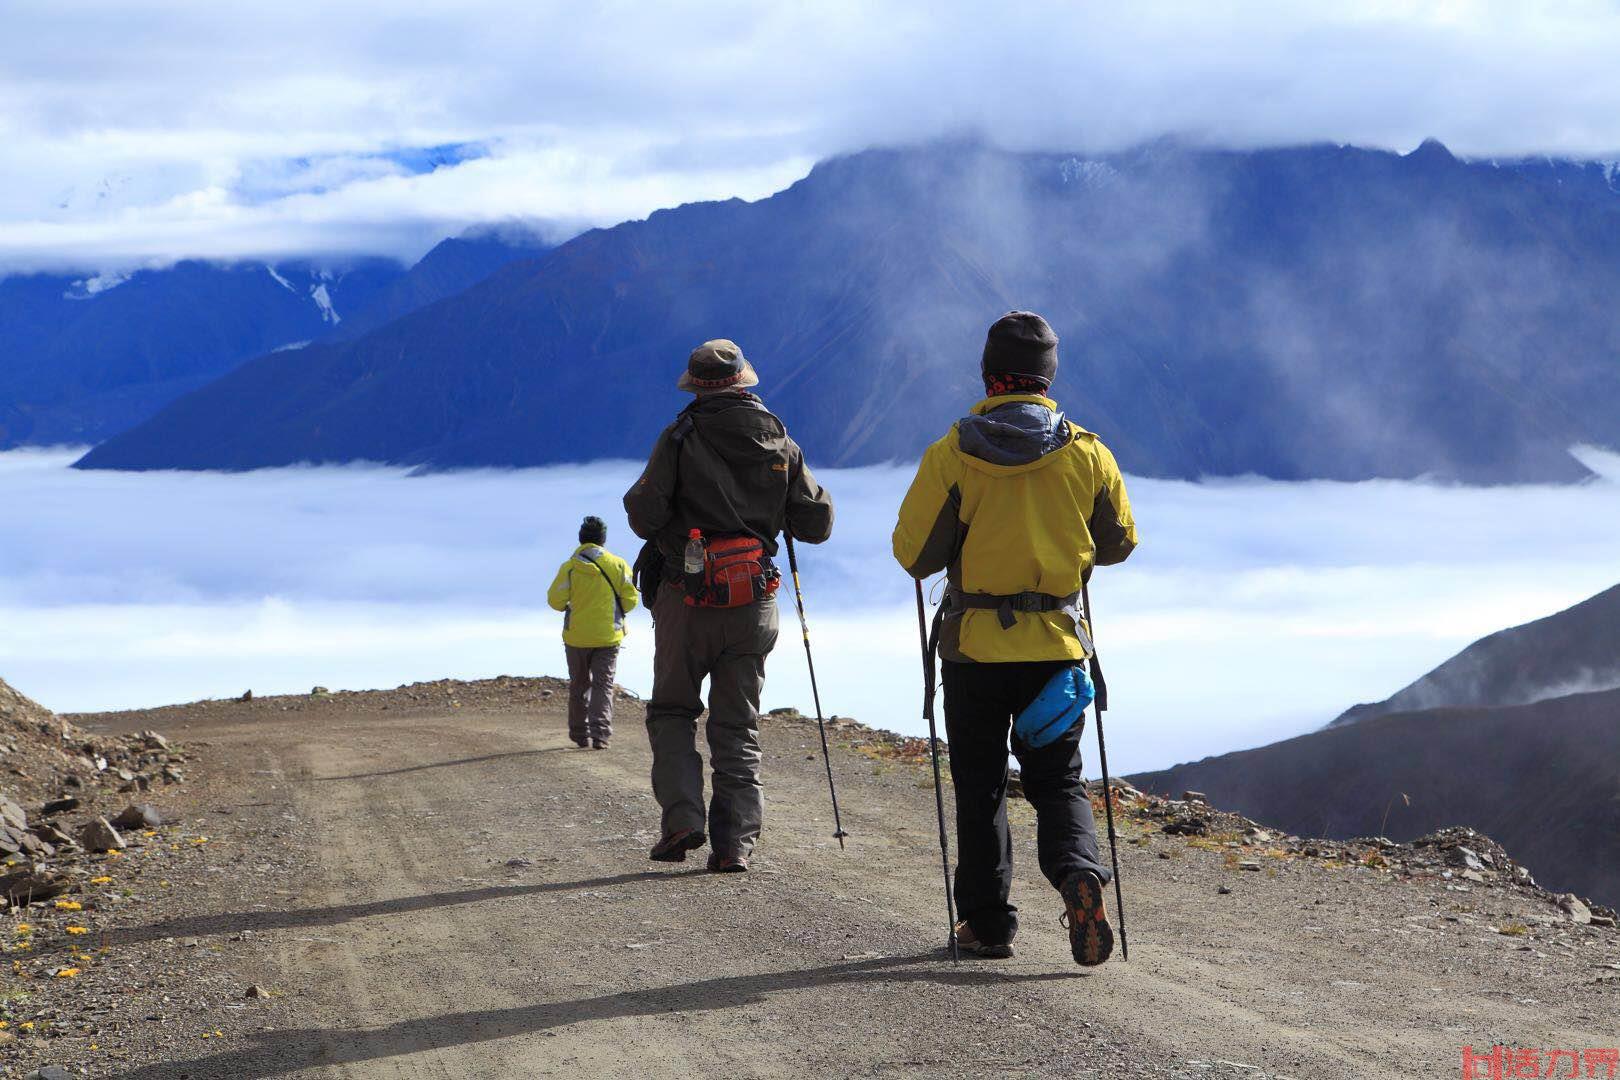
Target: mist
x=1253, y=610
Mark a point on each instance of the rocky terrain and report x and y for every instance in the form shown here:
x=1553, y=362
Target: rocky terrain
x=1517, y=735
x=431, y=881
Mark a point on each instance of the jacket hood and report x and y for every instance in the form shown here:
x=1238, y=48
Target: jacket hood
x=738, y=427
x=1012, y=431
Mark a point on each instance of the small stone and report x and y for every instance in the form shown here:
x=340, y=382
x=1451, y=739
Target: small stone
x=319, y=691
x=31, y=884
x=1472, y=875
x=99, y=835
x=1249, y=864
x=1602, y=920
x=255, y=991
x=139, y=816
x=247, y=695
x=1195, y=796
x=59, y=806
x=48, y=1072
x=155, y=741
x=13, y=815
x=1577, y=911
x=1225, y=890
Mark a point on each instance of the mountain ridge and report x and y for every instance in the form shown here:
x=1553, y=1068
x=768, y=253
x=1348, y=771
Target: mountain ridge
x=86, y=355
x=1303, y=312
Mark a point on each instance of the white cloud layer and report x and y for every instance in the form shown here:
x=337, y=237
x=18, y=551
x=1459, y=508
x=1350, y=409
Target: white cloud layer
x=1253, y=610
x=148, y=129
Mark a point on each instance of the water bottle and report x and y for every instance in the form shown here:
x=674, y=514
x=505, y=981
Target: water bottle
x=693, y=564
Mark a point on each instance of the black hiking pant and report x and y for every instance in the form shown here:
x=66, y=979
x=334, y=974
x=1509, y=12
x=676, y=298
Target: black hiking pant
x=980, y=703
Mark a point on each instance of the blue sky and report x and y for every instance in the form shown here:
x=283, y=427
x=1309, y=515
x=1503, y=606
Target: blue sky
x=144, y=130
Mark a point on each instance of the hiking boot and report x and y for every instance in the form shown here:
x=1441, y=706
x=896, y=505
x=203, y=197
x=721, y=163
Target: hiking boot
x=673, y=848
x=599, y=744
x=583, y=744
x=727, y=864
x=967, y=939
x=1091, y=939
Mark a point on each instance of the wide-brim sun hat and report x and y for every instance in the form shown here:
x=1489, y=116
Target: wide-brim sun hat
x=717, y=365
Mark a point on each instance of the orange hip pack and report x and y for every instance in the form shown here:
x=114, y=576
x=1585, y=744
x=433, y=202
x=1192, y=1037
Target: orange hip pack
x=736, y=572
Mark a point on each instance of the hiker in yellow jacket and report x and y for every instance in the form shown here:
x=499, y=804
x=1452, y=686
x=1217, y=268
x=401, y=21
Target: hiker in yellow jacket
x=594, y=591
x=1018, y=505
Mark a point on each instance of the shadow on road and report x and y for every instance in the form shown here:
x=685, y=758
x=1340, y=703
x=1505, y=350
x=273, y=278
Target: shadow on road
x=280, y=1052
x=434, y=765
x=312, y=918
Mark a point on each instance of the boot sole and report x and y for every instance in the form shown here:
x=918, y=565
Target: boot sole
x=1091, y=939
x=991, y=952
x=674, y=848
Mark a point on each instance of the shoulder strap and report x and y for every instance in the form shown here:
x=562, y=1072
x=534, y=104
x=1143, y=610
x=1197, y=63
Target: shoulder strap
x=618, y=607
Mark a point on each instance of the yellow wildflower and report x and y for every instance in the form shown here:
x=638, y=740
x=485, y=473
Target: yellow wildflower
x=26, y=1025
x=69, y=905
x=24, y=928
x=67, y=973
x=199, y=839
x=77, y=929
x=102, y=880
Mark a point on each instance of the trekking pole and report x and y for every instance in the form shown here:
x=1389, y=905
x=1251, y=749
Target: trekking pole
x=933, y=751
x=1101, y=706
x=815, y=694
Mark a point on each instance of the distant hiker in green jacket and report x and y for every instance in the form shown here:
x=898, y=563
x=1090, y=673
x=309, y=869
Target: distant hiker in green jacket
x=724, y=482
x=594, y=591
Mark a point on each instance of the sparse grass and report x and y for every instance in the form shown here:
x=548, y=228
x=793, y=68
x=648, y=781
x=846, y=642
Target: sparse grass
x=1514, y=929
x=1214, y=841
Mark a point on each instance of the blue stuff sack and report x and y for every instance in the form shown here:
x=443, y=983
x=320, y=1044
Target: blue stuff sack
x=1056, y=709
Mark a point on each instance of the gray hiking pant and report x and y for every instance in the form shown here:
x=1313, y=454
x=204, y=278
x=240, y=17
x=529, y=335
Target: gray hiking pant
x=728, y=646
x=590, y=692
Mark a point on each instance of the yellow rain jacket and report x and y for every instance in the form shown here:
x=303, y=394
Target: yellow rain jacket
x=594, y=601
x=1014, y=499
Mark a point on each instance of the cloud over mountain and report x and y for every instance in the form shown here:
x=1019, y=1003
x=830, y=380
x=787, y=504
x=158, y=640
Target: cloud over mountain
x=150, y=131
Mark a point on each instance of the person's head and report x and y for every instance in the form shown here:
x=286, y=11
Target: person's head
x=593, y=530
x=716, y=366
x=1020, y=355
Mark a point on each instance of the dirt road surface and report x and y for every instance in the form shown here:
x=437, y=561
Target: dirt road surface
x=472, y=899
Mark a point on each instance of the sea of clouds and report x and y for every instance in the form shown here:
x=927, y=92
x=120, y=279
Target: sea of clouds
x=1254, y=609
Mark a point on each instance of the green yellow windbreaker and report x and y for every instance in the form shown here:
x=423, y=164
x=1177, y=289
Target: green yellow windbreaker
x=594, y=601
x=1015, y=498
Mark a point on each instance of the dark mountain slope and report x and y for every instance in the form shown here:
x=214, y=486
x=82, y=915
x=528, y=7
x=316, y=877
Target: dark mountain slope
x=1542, y=779
x=1309, y=312
x=1573, y=651
x=82, y=358
x=452, y=266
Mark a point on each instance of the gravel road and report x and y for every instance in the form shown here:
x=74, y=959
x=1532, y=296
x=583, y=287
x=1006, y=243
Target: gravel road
x=469, y=897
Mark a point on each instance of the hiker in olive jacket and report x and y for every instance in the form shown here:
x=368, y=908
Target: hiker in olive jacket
x=1017, y=504
x=727, y=470
x=594, y=591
